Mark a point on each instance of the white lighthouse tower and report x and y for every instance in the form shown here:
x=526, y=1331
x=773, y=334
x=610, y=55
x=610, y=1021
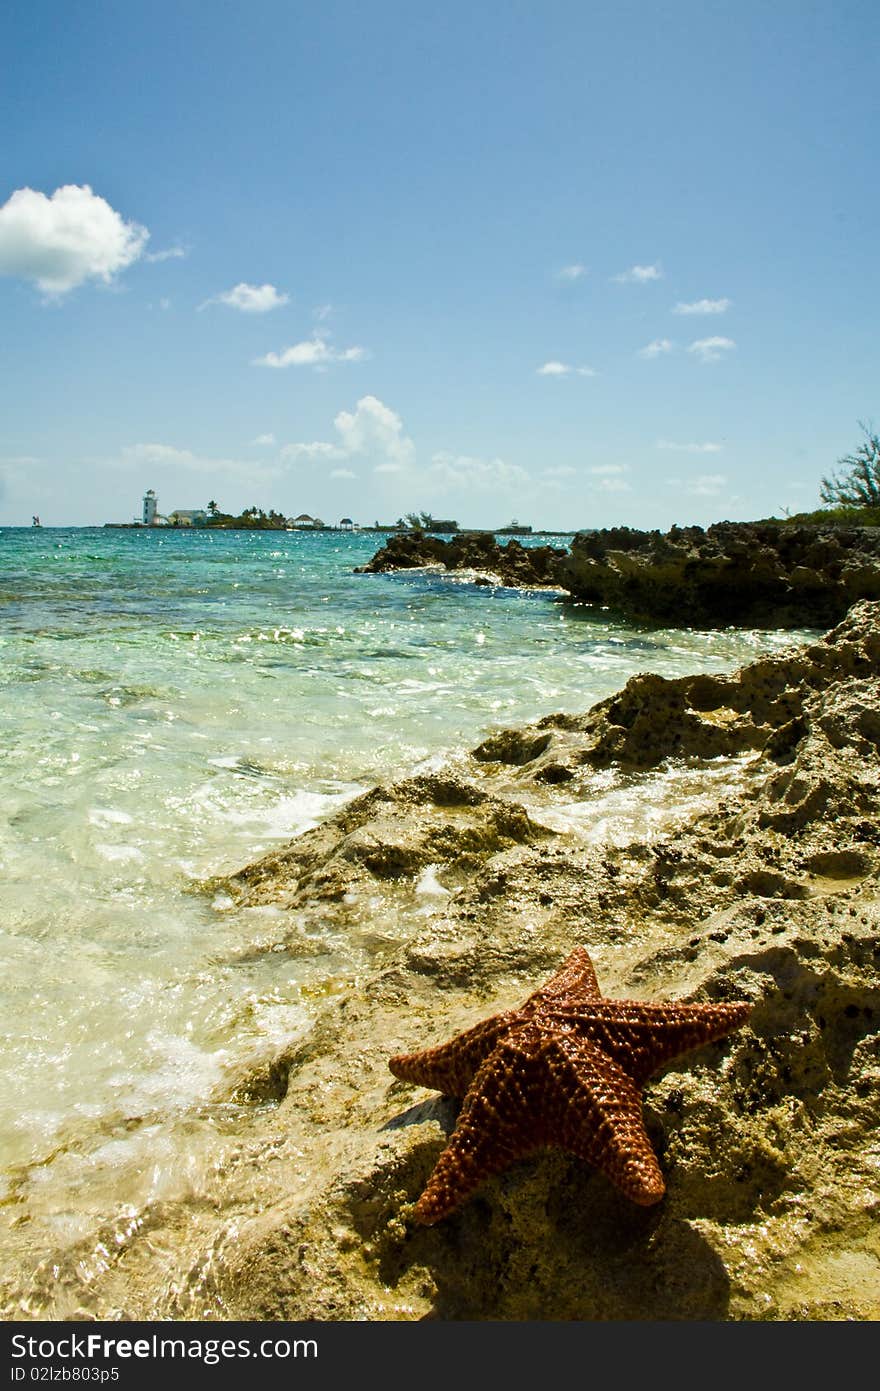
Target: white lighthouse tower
x=150, y=504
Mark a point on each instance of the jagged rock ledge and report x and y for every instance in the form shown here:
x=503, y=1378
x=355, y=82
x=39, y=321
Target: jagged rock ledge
x=751, y=574
x=511, y=564
x=766, y=890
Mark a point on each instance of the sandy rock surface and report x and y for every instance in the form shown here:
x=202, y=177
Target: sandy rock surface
x=762, y=887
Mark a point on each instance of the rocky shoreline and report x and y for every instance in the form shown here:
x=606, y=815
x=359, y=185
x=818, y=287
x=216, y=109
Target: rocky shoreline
x=748, y=574
x=762, y=888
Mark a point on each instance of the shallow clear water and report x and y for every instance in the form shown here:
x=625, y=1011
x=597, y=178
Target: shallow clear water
x=172, y=704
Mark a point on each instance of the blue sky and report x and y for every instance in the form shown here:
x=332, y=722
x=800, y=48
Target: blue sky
x=582, y=264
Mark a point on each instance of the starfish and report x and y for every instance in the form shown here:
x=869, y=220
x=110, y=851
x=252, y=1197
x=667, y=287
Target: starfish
x=566, y=1069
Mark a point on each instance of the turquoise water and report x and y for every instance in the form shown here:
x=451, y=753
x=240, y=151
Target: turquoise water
x=172, y=704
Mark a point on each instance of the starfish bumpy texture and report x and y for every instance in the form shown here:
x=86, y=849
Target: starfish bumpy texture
x=566, y=1070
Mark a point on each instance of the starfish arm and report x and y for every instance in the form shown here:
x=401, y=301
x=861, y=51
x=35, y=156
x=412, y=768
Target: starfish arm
x=451, y=1066
x=594, y=1110
x=643, y=1037
x=576, y=978
x=496, y=1126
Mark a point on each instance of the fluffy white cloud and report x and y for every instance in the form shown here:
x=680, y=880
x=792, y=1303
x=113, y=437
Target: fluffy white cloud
x=571, y=272
x=374, y=428
x=558, y=471
x=601, y=470
x=312, y=352
x=250, y=299
x=563, y=369
x=264, y=439
x=703, y=306
x=657, y=348
x=478, y=475
x=711, y=349
x=375, y=433
x=639, y=275
x=62, y=241
x=709, y=447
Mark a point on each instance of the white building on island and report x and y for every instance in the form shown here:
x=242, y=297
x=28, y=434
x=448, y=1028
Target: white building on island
x=151, y=503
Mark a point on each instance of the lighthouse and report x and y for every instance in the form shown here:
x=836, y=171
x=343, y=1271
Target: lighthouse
x=150, y=502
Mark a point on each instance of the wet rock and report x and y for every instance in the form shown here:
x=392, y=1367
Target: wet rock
x=508, y=564
x=769, y=1139
x=734, y=573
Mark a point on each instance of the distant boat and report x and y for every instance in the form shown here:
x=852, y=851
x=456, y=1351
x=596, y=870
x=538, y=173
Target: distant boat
x=36, y=521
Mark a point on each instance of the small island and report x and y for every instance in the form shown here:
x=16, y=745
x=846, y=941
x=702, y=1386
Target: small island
x=212, y=518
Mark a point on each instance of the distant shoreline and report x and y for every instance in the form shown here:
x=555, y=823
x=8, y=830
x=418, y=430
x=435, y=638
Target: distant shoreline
x=310, y=530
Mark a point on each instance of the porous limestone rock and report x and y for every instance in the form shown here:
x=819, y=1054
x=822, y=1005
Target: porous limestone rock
x=769, y=1139
x=510, y=564
x=749, y=574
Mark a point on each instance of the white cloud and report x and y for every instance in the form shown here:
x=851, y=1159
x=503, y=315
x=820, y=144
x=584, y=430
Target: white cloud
x=312, y=352
x=170, y=253
x=711, y=349
x=639, y=275
x=250, y=299
x=563, y=369
x=264, y=439
x=157, y=454
x=166, y=456
x=62, y=241
x=558, y=471
x=707, y=484
x=609, y=478
x=709, y=447
x=375, y=433
x=374, y=428
x=703, y=306
x=571, y=272
x=704, y=485
x=477, y=475
x=318, y=449
x=656, y=348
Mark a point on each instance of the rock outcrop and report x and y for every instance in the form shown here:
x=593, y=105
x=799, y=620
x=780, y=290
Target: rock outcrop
x=509, y=564
x=749, y=574
x=761, y=886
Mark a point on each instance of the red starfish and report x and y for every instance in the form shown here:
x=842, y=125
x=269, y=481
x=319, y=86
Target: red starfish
x=566, y=1069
